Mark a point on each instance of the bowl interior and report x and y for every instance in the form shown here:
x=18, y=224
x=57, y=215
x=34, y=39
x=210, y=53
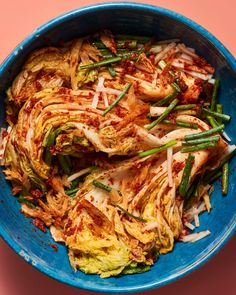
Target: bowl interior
x=33, y=245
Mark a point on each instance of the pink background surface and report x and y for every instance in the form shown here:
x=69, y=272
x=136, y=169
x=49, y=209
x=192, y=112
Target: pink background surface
x=17, y=20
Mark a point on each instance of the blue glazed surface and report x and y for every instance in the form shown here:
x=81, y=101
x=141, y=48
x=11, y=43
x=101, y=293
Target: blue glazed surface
x=141, y=19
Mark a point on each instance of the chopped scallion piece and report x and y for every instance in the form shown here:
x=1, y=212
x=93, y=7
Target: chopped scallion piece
x=199, y=147
x=185, y=107
x=219, y=109
x=214, y=94
x=201, y=140
x=158, y=150
x=225, y=178
x=101, y=185
x=132, y=55
x=176, y=86
x=181, y=124
x=129, y=214
x=22, y=199
x=186, y=175
x=111, y=71
x=65, y=163
x=72, y=192
x=204, y=133
x=101, y=63
x=212, y=121
x=116, y=101
x=131, y=44
x=223, y=117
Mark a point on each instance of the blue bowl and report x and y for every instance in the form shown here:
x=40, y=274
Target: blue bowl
x=129, y=18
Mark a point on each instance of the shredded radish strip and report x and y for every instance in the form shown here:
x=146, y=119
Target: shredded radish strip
x=95, y=101
x=207, y=201
x=191, y=49
x=178, y=65
x=80, y=173
x=154, y=81
x=106, y=103
x=169, y=166
x=189, y=225
x=226, y=136
x=193, y=211
x=182, y=61
x=196, y=220
x=96, y=95
x=198, y=75
x=186, y=56
x=195, y=237
x=29, y=136
x=108, y=90
x=186, y=50
x=160, y=55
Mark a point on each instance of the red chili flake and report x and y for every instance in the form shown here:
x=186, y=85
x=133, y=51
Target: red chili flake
x=184, y=232
x=48, y=114
x=48, y=182
x=37, y=141
x=136, y=87
x=90, y=95
x=179, y=198
x=137, y=187
x=119, y=111
x=178, y=166
x=4, y=133
x=111, y=180
x=63, y=138
x=28, y=109
x=53, y=150
x=172, y=118
x=70, y=231
x=126, y=44
x=57, y=222
x=152, y=58
x=36, y=193
x=39, y=224
x=38, y=85
x=200, y=62
x=97, y=220
x=32, y=102
x=93, y=122
x=81, y=226
x=113, y=46
x=128, y=67
x=54, y=247
x=100, y=97
x=63, y=90
x=23, y=133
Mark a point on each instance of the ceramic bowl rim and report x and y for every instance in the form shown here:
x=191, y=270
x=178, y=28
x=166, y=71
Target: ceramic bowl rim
x=95, y=8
